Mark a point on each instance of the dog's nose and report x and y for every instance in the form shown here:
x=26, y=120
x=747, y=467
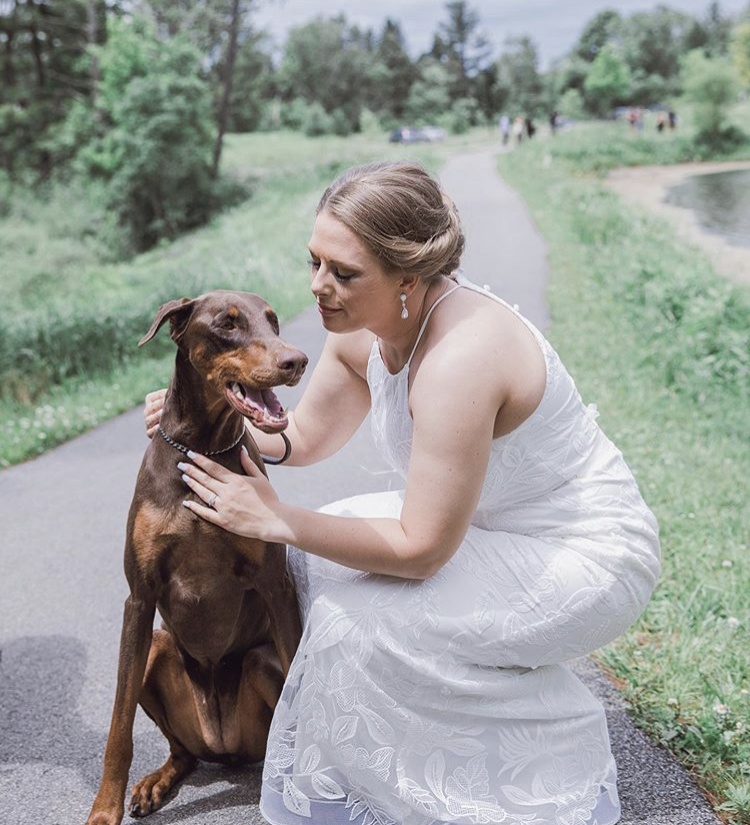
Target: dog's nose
x=291, y=361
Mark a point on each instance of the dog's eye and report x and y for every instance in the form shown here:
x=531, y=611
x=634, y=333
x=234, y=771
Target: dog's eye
x=228, y=324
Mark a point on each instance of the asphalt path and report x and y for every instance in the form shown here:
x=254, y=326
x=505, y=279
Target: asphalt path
x=62, y=588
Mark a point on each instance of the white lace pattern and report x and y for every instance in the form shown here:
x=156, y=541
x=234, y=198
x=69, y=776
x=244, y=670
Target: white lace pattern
x=447, y=700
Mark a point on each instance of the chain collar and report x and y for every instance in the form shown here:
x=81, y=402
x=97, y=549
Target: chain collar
x=183, y=449
x=266, y=459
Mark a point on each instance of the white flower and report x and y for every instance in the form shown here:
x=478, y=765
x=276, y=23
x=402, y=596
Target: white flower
x=721, y=710
x=726, y=563
x=733, y=622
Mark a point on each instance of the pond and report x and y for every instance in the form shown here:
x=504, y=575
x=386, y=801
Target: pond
x=720, y=201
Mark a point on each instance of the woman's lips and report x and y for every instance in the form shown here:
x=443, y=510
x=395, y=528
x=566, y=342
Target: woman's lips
x=324, y=310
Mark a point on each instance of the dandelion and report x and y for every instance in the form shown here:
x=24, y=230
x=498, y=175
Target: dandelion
x=721, y=710
x=726, y=563
x=733, y=622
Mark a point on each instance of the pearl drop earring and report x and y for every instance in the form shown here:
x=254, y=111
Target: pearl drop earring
x=404, y=310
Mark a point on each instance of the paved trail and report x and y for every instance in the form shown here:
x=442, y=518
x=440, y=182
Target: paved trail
x=62, y=586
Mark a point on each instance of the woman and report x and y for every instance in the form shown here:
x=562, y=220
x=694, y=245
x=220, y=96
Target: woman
x=428, y=686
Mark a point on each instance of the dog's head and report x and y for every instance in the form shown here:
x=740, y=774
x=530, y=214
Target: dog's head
x=232, y=340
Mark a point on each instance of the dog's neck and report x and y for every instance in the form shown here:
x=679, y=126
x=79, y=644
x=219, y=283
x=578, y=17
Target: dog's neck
x=195, y=415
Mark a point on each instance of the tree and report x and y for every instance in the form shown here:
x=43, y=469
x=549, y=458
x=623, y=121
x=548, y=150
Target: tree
x=393, y=73
x=718, y=30
x=46, y=67
x=710, y=84
x=217, y=29
x=518, y=73
x=608, y=81
x=254, y=85
x=598, y=32
x=461, y=47
x=653, y=43
x=740, y=51
x=153, y=137
x=429, y=99
x=327, y=62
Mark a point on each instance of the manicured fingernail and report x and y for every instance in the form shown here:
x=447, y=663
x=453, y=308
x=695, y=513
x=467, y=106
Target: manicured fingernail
x=244, y=450
x=191, y=454
x=186, y=504
x=182, y=466
x=185, y=478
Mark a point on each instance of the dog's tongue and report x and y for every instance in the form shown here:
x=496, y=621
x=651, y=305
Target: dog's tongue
x=262, y=407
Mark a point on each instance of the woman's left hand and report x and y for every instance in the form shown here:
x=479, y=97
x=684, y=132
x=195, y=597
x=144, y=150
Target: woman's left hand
x=241, y=504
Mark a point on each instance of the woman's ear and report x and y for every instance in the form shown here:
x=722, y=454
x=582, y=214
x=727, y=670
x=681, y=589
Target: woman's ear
x=408, y=283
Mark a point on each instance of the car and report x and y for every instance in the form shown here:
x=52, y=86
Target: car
x=412, y=134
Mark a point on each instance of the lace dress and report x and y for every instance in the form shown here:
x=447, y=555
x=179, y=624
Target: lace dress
x=447, y=700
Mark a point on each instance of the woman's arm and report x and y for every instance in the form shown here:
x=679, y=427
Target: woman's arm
x=334, y=403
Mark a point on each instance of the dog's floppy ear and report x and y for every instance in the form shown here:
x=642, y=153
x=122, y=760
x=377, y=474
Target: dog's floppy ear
x=177, y=311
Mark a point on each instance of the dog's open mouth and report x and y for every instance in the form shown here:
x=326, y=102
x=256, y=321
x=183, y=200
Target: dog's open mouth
x=262, y=407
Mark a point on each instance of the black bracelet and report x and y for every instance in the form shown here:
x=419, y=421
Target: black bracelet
x=287, y=452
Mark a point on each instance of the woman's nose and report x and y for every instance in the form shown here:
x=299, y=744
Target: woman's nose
x=319, y=281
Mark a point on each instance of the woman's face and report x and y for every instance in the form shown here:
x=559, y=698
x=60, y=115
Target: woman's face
x=351, y=287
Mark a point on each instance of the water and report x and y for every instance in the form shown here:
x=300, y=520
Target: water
x=721, y=202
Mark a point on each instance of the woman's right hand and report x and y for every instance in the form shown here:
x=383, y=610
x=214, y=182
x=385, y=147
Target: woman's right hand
x=153, y=409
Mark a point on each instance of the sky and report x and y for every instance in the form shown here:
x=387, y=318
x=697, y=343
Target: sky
x=553, y=25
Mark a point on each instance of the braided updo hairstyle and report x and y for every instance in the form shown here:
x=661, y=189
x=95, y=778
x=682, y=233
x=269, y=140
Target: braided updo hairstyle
x=401, y=215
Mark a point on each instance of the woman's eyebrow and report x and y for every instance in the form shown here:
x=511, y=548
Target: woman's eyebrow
x=349, y=267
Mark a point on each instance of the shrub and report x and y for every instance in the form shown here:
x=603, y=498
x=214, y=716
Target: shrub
x=156, y=140
x=317, y=121
x=710, y=84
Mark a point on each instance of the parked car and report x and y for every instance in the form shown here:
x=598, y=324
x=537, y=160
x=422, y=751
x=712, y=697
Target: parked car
x=411, y=134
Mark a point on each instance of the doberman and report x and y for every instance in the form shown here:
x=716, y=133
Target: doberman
x=211, y=676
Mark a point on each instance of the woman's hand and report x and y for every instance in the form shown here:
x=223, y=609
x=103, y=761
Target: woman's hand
x=242, y=504
x=152, y=411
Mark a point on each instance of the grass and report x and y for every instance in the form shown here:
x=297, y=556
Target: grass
x=662, y=345
x=71, y=314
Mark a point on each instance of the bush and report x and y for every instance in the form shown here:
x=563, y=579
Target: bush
x=156, y=141
x=710, y=84
x=317, y=121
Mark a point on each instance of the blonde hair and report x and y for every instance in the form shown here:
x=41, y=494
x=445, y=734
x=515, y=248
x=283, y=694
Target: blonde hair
x=401, y=215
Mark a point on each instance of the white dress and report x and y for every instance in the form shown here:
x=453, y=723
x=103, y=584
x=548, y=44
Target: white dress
x=447, y=700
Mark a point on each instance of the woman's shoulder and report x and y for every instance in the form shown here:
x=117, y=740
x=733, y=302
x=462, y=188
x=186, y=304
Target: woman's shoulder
x=352, y=349
x=473, y=321
x=481, y=337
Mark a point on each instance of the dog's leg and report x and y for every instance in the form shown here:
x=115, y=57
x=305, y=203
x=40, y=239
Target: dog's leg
x=280, y=598
x=259, y=691
x=167, y=699
x=135, y=642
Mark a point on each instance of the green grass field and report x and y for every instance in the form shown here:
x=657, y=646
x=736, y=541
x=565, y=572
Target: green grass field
x=662, y=345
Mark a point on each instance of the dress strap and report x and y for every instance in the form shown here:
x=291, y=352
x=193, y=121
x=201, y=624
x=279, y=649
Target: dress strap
x=427, y=318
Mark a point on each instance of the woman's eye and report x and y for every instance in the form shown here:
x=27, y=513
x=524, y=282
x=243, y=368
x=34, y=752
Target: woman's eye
x=313, y=264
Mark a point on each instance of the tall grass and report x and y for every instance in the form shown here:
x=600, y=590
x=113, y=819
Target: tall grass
x=662, y=345
x=71, y=317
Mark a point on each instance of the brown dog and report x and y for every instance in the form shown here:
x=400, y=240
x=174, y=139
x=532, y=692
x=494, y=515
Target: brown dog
x=211, y=677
